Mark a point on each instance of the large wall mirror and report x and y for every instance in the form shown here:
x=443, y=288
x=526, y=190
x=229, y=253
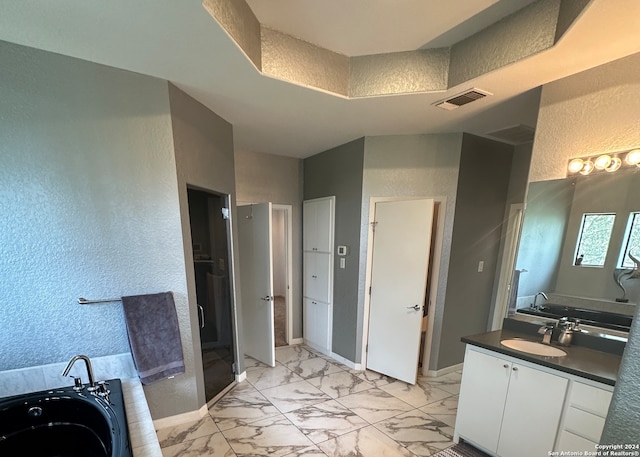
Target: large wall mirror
x=573, y=244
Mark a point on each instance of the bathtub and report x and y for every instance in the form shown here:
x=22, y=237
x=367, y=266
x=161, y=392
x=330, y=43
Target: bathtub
x=63, y=422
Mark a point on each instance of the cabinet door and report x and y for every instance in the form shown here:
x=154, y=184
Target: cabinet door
x=316, y=331
x=317, y=276
x=317, y=225
x=324, y=225
x=532, y=412
x=309, y=223
x=485, y=380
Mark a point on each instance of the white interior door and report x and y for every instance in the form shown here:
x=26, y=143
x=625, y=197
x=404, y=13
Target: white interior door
x=401, y=245
x=256, y=281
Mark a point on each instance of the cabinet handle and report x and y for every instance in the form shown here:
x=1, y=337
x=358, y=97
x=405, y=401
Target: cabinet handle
x=201, y=310
x=505, y=365
x=314, y=276
x=515, y=368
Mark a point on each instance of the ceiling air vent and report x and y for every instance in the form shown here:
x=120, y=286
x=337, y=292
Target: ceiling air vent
x=517, y=134
x=462, y=99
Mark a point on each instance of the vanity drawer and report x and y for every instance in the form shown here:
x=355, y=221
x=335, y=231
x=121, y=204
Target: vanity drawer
x=571, y=442
x=584, y=424
x=589, y=398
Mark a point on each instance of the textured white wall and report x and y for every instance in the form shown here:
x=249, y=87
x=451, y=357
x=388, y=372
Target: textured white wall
x=264, y=178
x=589, y=113
x=89, y=204
x=410, y=166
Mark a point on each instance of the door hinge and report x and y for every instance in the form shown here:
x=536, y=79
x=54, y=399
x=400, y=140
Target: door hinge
x=225, y=214
x=369, y=290
x=373, y=225
x=366, y=348
x=233, y=368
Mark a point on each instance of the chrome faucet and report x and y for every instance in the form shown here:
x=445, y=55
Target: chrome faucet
x=535, y=300
x=92, y=383
x=547, y=331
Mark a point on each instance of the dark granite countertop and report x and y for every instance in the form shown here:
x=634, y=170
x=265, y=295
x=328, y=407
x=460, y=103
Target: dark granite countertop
x=580, y=361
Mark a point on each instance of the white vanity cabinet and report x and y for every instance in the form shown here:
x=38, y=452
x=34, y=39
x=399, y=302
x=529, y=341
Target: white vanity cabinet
x=508, y=408
x=318, y=234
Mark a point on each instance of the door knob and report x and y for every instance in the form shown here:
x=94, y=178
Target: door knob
x=414, y=307
x=267, y=298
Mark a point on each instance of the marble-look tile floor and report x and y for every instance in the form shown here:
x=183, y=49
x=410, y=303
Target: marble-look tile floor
x=311, y=405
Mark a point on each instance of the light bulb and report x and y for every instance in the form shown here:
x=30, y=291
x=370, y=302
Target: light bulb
x=602, y=162
x=575, y=165
x=587, y=168
x=633, y=157
x=616, y=163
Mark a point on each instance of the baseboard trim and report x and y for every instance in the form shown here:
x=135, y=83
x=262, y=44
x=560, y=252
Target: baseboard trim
x=178, y=419
x=443, y=371
x=241, y=376
x=295, y=341
x=347, y=362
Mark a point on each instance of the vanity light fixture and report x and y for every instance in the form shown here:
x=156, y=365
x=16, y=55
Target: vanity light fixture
x=633, y=157
x=587, y=167
x=604, y=162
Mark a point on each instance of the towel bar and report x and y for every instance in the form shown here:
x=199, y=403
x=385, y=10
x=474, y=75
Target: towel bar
x=84, y=301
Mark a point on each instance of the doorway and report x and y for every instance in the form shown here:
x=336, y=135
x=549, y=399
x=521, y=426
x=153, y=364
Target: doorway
x=282, y=259
x=210, y=243
x=265, y=244
x=406, y=253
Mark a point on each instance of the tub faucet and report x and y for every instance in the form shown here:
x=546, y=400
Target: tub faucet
x=535, y=300
x=92, y=383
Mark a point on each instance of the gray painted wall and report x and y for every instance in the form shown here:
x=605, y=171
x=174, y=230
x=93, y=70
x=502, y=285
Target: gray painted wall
x=338, y=172
x=262, y=178
x=485, y=168
x=89, y=204
x=203, y=144
x=410, y=166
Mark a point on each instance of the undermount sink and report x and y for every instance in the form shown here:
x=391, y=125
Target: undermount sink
x=531, y=347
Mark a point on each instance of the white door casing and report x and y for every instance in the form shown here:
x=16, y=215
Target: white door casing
x=256, y=281
x=401, y=246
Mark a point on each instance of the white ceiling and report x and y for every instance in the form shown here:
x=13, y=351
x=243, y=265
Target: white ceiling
x=363, y=27
x=180, y=42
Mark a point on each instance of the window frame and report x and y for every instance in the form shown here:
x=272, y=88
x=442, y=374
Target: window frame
x=624, y=248
x=581, y=236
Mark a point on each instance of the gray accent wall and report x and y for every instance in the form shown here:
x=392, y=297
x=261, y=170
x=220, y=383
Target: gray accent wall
x=483, y=184
x=203, y=144
x=410, y=166
x=262, y=178
x=338, y=172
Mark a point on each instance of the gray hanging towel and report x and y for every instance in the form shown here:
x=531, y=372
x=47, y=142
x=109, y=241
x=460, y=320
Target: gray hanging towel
x=154, y=336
